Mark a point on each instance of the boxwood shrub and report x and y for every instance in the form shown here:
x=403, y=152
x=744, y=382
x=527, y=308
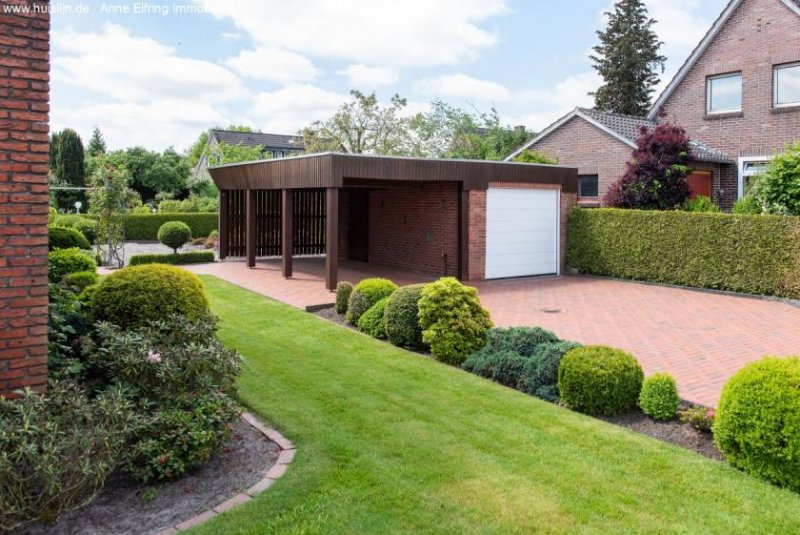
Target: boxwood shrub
x=65, y=261
x=371, y=321
x=659, y=397
x=757, y=423
x=66, y=238
x=402, y=317
x=190, y=257
x=145, y=226
x=757, y=254
x=364, y=296
x=599, y=380
x=343, y=291
x=174, y=234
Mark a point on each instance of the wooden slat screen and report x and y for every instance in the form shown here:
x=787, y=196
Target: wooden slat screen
x=309, y=222
x=236, y=223
x=268, y=222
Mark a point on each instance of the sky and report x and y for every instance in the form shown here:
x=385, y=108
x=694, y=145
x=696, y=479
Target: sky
x=157, y=74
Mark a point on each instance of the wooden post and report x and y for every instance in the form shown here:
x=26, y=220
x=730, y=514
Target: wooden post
x=331, y=238
x=223, y=224
x=250, y=228
x=463, y=236
x=287, y=231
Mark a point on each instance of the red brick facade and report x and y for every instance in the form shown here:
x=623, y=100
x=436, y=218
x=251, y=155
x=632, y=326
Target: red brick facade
x=24, y=107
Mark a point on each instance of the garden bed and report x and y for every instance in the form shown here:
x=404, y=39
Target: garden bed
x=122, y=507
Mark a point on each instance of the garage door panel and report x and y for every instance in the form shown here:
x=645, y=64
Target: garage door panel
x=527, y=225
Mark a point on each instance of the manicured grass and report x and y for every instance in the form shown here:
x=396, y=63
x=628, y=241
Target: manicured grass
x=390, y=441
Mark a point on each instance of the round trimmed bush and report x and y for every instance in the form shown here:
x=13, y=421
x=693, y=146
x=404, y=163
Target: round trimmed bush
x=371, y=321
x=757, y=424
x=343, y=291
x=659, y=397
x=174, y=234
x=65, y=238
x=62, y=262
x=402, y=317
x=135, y=295
x=364, y=296
x=80, y=280
x=87, y=227
x=539, y=377
x=599, y=380
x=453, y=321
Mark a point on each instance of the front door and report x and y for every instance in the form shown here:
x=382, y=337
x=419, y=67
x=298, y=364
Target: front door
x=358, y=225
x=699, y=184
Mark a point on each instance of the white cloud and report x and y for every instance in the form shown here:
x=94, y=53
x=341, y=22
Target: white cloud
x=274, y=65
x=379, y=32
x=363, y=76
x=291, y=108
x=541, y=107
x=460, y=85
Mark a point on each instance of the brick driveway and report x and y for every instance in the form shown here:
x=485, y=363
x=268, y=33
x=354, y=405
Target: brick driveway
x=701, y=338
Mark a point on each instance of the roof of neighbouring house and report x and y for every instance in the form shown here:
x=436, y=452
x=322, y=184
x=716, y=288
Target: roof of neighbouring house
x=625, y=128
x=259, y=139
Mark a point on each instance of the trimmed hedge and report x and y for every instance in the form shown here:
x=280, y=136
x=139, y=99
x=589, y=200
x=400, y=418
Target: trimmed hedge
x=343, y=291
x=145, y=226
x=66, y=238
x=757, y=254
x=401, y=317
x=191, y=257
x=62, y=262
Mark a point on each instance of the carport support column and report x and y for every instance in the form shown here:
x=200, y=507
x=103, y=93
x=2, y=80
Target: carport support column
x=250, y=228
x=223, y=223
x=287, y=231
x=463, y=236
x=331, y=238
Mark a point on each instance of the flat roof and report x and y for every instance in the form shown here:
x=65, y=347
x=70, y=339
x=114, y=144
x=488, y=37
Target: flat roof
x=335, y=170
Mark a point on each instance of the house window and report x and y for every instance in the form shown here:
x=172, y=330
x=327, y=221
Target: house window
x=588, y=186
x=787, y=85
x=724, y=93
x=748, y=168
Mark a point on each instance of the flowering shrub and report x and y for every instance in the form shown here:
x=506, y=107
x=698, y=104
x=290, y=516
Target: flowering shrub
x=698, y=417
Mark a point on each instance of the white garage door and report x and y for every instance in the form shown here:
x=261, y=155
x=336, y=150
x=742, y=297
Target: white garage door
x=521, y=232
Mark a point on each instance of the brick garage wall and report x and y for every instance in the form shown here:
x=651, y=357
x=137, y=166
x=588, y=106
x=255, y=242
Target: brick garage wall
x=24, y=97
x=585, y=146
x=413, y=229
x=759, y=35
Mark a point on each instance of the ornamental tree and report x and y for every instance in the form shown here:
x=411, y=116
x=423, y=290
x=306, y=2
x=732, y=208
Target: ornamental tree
x=655, y=178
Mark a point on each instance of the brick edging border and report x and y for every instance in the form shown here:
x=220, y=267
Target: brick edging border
x=285, y=457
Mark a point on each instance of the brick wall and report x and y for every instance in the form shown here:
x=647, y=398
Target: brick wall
x=24, y=97
x=759, y=35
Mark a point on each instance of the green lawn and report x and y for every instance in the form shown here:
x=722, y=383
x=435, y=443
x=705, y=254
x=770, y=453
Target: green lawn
x=389, y=441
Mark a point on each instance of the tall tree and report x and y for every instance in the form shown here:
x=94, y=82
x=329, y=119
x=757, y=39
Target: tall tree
x=628, y=59
x=153, y=175
x=67, y=168
x=97, y=144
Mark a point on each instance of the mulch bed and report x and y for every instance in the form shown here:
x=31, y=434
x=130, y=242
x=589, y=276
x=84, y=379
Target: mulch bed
x=121, y=509
x=674, y=432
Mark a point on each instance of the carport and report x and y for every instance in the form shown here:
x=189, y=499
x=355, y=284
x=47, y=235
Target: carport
x=463, y=218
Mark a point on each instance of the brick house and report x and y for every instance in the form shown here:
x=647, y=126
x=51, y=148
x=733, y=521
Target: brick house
x=737, y=96
x=24, y=196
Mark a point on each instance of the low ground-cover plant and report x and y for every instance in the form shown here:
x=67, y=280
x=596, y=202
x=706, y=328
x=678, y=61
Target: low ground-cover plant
x=135, y=295
x=599, y=380
x=371, y=321
x=402, y=317
x=659, y=397
x=343, y=291
x=66, y=238
x=453, y=321
x=757, y=425
x=177, y=259
x=174, y=234
x=701, y=418
x=62, y=262
x=364, y=296
x=56, y=450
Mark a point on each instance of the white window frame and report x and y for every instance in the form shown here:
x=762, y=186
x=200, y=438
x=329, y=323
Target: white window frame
x=775, y=70
x=742, y=161
x=709, y=79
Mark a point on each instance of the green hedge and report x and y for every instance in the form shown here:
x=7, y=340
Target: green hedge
x=192, y=257
x=145, y=226
x=756, y=254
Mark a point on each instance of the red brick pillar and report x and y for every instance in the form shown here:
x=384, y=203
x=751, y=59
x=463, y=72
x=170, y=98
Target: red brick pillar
x=24, y=107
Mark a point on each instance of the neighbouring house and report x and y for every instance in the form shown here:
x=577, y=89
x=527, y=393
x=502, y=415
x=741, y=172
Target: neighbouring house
x=272, y=146
x=737, y=96
x=471, y=219
x=24, y=196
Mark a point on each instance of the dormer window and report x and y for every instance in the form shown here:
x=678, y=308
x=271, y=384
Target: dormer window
x=724, y=93
x=787, y=85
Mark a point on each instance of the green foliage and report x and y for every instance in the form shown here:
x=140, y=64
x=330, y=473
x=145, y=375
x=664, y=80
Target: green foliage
x=698, y=417
x=67, y=324
x=191, y=204
x=402, y=317
x=753, y=254
x=523, y=340
x=599, y=380
x=747, y=205
x=97, y=144
x=224, y=153
x=628, y=59
x=503, y=366
x=372, y=322
x=87, y=227
x=778, y=189
x=135, y=295
x=152, y=173
x=67, y=168
x=534, y=156
x=110, y=199
x=453, y=321
x=659, y=397
x=539, y=377
x=145, y=226
x=80, y=280
x=178, y=259
x=56, y=450
x=757, y=424
x=174, y=234
x=343, y=291
x=68, y=220
x=65, y=238
x=52, y=213
x=701, y=204
x=64, y=261
x=364, y=296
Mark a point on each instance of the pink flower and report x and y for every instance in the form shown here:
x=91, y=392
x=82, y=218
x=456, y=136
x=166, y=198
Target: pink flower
x=710, y=415
x=153, y=357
